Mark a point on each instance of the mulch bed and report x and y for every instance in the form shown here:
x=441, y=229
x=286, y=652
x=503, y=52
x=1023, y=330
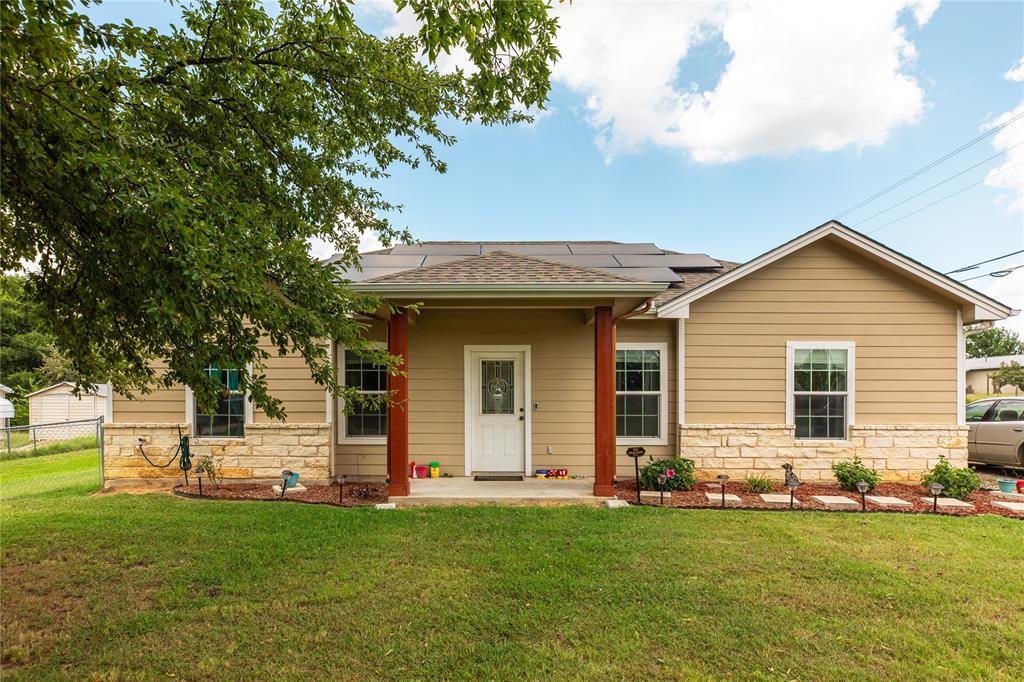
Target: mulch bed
x=696, y=498
x=353, y=496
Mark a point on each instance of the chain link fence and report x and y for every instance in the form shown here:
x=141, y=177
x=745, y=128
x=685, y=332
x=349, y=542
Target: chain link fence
x=48, y=458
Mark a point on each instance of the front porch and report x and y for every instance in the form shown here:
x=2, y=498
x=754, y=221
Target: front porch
x=529, y=490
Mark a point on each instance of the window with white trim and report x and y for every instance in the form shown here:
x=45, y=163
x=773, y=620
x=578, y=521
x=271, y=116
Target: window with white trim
x=228, y=417
x=364, y=420
x=641, y=393
x=820, y=382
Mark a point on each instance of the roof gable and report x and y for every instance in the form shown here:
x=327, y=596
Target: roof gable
x=500, y=267
x=981, y=307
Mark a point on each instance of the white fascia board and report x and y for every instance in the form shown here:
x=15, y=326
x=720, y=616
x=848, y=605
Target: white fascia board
x=840, y=231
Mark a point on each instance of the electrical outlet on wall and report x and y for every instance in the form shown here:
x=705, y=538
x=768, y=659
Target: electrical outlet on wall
x=551, y=450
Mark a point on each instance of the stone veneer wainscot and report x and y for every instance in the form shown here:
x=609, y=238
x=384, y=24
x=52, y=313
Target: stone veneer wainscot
x=266, y=449
x=899, y=452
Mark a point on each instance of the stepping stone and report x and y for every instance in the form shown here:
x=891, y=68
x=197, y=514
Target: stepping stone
x=837, y=501
x=297, y=488
x=776, y=498
x=887, y=501
x=1012, y=506
x=1009, y=496
x=616, y=504
x=717, y=498
x=652, y=494
x=950, y=502
x=385, y=505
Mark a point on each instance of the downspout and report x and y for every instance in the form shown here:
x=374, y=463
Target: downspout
x=639, y=311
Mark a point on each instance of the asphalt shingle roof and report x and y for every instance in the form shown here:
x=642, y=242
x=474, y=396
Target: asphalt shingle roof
x=500, y=267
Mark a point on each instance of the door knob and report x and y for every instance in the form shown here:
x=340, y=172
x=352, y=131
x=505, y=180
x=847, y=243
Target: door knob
x=522, y=418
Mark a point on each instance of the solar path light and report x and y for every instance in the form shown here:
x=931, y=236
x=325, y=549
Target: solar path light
x=722, y=478
x=862, y=488
x=936, y=488
x=340, y=480
x=285, y=477
x=199, y=476
x=662, y=478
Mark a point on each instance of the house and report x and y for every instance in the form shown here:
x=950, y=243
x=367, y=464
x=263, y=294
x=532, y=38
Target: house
x=979, y=371
x=527, y=355
x=58, y=404
x=6, y=406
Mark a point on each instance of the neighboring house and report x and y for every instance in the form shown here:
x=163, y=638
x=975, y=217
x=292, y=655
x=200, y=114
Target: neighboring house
x=6, y=406
x=58, y=404
x=979, y=372
x=526, y=355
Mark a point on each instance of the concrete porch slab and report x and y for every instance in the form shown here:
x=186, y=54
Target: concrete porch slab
x=529, y=490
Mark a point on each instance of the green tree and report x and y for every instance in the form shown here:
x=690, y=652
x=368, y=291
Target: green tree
x=994, y=342
x=1009, y=374
x=166, y=184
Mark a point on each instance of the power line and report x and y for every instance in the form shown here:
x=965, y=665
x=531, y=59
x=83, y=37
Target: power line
x=933, y=164
x=995, y=273
x=941, y=182
x=948, y=196
x=990, y=260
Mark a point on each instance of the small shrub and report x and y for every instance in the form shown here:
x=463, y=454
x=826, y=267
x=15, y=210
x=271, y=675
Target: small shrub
x=680, y=474
x=759, y=484
x=956, y=482
x=210, y=468
x=851, y=471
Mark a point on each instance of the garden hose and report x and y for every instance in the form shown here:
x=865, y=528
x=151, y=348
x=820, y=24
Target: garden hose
x=182, y=454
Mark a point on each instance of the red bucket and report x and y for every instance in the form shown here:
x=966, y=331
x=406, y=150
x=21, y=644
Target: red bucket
x=422, y=471
x=1020, y=487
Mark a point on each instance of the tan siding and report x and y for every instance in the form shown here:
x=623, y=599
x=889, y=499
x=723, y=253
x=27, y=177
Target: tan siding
x=288, y=379
x=562, y=358
x=905, y=339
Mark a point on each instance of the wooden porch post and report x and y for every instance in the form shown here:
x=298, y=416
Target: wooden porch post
x=604, y=401
x=398, y=412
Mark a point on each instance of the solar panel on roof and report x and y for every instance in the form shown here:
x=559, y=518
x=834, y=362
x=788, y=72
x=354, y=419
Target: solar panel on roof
x=436, y=260
x=528, y=249
x=669, y=260
x=584, y=249
x=438, y=249
x=391, y=261
x=594, y=261
x=357, y=276
x=645, y=274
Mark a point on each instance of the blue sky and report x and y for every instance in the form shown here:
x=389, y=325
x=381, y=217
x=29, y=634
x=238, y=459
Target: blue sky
x=650, y=137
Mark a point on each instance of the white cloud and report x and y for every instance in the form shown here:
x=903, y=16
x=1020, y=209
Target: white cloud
x=1016, y=73
x=1009, y=175
x=1009, y=290
x=405, y=23
x=803, y=75
x=319, y=248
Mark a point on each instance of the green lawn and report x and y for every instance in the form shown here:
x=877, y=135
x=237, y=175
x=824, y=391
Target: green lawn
x=156, y=587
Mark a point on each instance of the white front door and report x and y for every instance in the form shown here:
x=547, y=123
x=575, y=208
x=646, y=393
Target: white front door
x=497, y=412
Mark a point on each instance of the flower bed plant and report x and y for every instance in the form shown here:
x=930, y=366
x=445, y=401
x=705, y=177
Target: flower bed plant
x=679, y=473
x=956, y=482
x=759, y=484
x=849, y=472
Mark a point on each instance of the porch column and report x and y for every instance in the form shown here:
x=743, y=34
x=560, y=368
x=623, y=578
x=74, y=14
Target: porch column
x=398, y=412
x=604, y=401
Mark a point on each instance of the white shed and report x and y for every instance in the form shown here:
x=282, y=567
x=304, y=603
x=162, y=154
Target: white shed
x=57, y=403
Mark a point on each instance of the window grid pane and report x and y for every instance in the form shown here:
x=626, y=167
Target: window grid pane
x=820, y=392
x=497, y=386
x=228, y=417
x=638, y=393
x=369, y=379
